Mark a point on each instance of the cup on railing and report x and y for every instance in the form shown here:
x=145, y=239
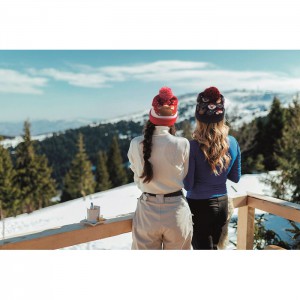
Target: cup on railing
x=93, y=214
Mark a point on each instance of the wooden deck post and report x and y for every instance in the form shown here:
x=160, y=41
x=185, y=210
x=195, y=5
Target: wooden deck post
x=245, y=228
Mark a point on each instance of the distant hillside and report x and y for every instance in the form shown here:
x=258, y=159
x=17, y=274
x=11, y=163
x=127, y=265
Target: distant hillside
x=243, y=105
x=61, y=148
x=39, y=127
x=246, y=103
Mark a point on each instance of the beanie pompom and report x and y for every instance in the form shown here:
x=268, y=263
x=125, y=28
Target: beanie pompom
x=165, y=93
x=164, y=111
x=212, y=93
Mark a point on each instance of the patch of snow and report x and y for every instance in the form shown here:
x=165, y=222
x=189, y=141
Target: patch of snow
x=14, y=142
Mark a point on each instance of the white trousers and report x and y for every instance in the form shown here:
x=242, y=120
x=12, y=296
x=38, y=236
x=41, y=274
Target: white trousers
x=162, y=223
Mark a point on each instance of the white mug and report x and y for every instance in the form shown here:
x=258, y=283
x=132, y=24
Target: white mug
x=93, y=214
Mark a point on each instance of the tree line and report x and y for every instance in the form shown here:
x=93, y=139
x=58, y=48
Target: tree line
x=62, y=146
x=273, y=143
x=27, y=183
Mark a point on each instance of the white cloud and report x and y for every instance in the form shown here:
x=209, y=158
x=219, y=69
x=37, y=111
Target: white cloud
x=227, y=80
x=91, y=80
x=155, y=67
x=87, y=76
x=12, y=81
x=187, y=74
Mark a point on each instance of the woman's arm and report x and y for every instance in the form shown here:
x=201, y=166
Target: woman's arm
x=235, y=171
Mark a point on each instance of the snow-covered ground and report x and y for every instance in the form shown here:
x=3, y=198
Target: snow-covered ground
x=14, y=142
x=120, y=201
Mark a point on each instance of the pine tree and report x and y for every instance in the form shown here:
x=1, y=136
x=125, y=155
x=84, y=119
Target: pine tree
x=33, y=176
x=79, y=181
x=287, y=185
x=272, y=133
x=116, y=169
x=246, y=136
x=45, y=183
x=8, y=192
x=187, y=129
x=102, y=176
x=26, y=173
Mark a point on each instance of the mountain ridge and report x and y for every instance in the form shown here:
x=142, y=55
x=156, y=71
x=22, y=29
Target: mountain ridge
x=241, y=104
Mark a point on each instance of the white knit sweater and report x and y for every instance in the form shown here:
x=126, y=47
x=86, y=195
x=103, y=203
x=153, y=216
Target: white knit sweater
x=169, y=159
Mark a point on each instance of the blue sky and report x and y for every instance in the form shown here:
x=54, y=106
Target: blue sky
x=98, y=84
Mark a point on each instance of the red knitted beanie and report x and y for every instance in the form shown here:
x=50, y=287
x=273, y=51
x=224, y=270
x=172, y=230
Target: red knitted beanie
x=164, y=108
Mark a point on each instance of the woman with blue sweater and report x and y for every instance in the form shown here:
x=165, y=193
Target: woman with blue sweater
x=214, y=158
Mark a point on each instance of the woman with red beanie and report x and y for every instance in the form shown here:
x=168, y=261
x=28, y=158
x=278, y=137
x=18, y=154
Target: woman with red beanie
x=159, y=160
x=214, y=158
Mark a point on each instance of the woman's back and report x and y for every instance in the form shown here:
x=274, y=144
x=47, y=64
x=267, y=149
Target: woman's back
x=214, y=158
x=201, y=182
x=169, y=159
x=159, y=161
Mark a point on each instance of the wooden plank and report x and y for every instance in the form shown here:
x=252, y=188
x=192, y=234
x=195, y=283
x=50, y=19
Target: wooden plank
x=273, y=247
x=284, y=209
x=245, y=228
x=239, y=201
x=69, y=235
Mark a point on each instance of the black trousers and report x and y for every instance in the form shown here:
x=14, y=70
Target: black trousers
x=209, y=216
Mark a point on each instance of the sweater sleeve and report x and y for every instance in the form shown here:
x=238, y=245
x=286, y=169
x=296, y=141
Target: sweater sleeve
x=186, y=157
x=189, y=179
x=235, y=172
x=132, y=165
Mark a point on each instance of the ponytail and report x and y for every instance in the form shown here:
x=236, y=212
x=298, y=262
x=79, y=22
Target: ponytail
x=147, y=147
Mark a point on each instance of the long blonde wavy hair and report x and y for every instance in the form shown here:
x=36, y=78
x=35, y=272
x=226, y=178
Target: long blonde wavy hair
x=213, y=141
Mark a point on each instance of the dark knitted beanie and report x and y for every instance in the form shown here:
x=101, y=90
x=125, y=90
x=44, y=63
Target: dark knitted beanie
x=210, y=106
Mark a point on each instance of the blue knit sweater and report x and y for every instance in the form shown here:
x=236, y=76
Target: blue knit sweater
x=201, y=182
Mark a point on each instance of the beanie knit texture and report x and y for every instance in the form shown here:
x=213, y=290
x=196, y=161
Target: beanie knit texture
x=164, y=108
x=210, y=106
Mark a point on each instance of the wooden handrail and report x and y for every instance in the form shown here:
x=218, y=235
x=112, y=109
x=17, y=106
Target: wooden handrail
x=246, y=216
x=69, y=235
x=79, y=233
x=281, y=208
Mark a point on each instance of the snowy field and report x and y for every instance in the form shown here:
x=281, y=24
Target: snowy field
x=120, y=201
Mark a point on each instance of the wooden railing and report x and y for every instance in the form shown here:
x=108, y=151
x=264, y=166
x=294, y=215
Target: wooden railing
x=78, y=233
x=246, y=216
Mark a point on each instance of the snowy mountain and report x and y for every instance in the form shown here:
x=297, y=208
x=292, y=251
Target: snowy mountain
x=123, y=200
x=40, y=130
x=41, y=127
x=242, y=105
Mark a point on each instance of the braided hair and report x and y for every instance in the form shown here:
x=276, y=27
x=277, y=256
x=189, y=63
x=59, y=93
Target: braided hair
x=147, y=148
